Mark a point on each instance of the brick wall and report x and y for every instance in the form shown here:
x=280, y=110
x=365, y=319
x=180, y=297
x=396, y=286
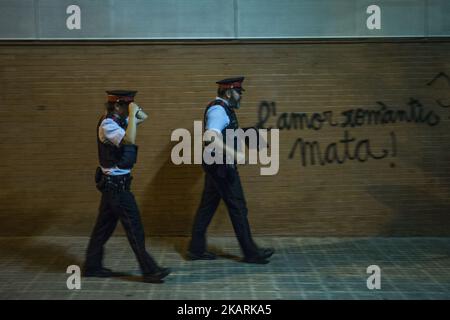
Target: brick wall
x=52, y=96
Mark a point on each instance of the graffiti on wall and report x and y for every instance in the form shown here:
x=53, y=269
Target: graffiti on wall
x=441, y=102
x=349, y=147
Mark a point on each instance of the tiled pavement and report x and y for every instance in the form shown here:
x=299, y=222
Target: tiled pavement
x=302, y=268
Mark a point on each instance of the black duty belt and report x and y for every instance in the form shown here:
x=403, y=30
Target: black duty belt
x=114, y=183
x=118, y=178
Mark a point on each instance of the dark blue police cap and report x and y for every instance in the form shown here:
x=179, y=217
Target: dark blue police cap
x=121, y=95
x=231, y=83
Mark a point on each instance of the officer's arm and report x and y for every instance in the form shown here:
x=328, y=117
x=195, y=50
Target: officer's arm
x=239, y=156
x=129, y=147
x=130, y=133
x=111, y=132
x=216, y=123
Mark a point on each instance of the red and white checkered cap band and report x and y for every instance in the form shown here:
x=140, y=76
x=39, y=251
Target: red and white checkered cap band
x=232, y=85
x=112, y=98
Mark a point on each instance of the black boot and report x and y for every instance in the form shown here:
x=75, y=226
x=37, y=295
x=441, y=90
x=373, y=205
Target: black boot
x=156, y=277
x=266, y=252
x=260, y=257
x=202, y=256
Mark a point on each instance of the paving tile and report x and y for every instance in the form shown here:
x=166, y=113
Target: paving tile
x=302, y=268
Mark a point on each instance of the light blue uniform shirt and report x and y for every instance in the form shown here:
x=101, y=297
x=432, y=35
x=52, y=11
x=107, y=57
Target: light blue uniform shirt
x=216, y=117
x=110, y=132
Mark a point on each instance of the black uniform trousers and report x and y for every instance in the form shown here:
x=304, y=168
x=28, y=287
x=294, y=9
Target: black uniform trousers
x=119, y=205
x=227, y=187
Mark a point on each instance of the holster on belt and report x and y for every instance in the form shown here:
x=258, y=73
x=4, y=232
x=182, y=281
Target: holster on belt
x=106, y=183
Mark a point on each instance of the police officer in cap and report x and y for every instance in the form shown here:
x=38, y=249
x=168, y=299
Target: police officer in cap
x=222, y=181
x=117, y=151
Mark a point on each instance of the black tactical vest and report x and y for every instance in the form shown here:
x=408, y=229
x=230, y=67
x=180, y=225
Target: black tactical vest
x=109, y=155
x=234, y=124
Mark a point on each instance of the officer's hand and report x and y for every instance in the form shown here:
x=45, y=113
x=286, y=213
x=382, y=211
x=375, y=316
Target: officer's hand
x=133, y=109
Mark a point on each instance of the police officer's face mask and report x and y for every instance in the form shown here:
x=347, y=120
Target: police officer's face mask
x=235, y=99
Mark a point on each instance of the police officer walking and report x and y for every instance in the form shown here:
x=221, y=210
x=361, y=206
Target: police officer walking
x=222, y=181
x=117, y=151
